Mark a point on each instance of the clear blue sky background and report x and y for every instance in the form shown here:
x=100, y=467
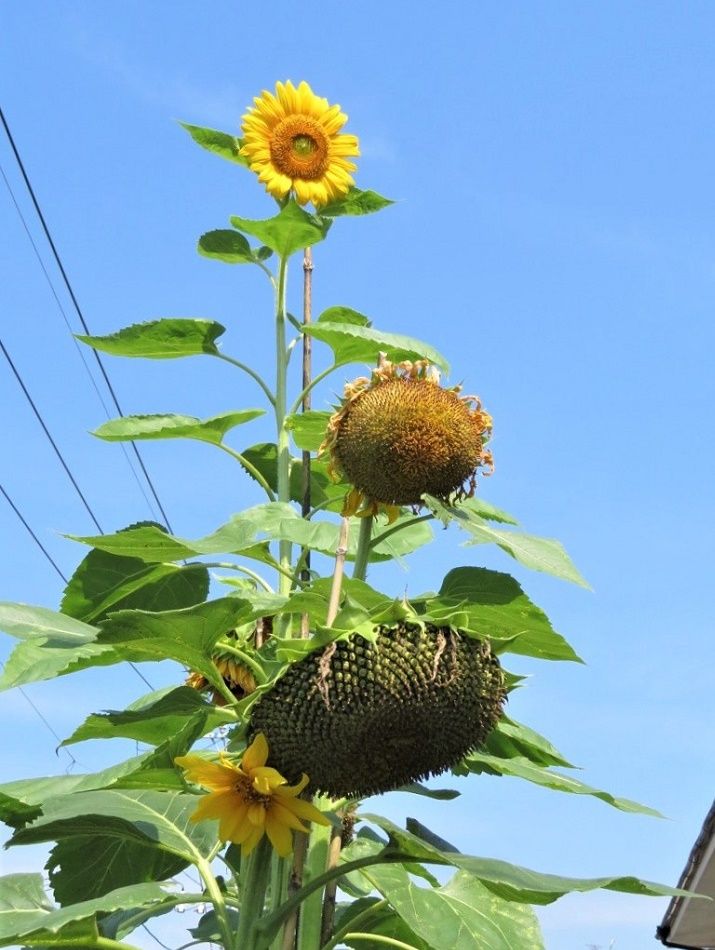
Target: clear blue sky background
x=554, y=236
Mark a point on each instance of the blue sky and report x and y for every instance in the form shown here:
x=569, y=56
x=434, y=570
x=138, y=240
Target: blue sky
x=553, y=236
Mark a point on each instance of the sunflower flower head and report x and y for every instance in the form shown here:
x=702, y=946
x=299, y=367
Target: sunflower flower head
x=292, y=141
x=250, y=799
x=398, y=435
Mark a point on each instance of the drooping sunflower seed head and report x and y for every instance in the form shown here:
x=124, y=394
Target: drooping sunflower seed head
x=400, y=435
x=292, y=141
x=363, y=718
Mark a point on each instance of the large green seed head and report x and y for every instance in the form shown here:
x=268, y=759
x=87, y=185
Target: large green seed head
x=361, y=718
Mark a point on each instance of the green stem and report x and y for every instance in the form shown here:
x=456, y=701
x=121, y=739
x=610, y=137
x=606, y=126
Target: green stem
x=311, y=913
x=244, y=658
x=378, y=938
x=252, y=373
x=363, y=549
x=282, y=441
x=326, y=372
x=104, y=943
x=357, y=919
x=250, y=468
x=225, y=692
x=217, y=899
x=270, y=924
x=261, y=581
x=398, y=527
x=254, y=881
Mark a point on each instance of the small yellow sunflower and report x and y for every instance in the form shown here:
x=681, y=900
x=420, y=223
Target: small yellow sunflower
x=292, y=142
x=250, y=799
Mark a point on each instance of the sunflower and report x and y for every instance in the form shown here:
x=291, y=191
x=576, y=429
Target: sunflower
x=398, y=435
x=250, y=799
x=292, y=142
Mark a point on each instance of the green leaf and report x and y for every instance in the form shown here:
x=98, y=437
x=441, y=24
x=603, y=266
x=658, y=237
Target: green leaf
x=165, y=339
x=24, y=621
x=152, y=545
x=462, y=913
x=539, y=554
x=154, y=717
x=187, y=636
x=383, y=922
x=158, y=820
x=356, y=202
x=52, y=644
x=105, y=582
x=493, y=606
x=486, y=510
x=510, y=739
x=479, y=762
x=344, y=315
x=514, y=883
x=172, y=426
x=353, y=343
x=323, y=536
x=209, y=930
x=227, y=246
x=438, y=794
x=220, y=143
x=324, y=491
x=308, y=429
x=26, y=912
x=291, y=229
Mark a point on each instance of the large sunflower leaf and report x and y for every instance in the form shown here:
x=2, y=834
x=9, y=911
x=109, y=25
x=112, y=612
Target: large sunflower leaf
x=187, y=636
x=152, y=544
x=289, y=231
x=493, y=605
x=356, y=202
x=154, y=717
x=173, y=426
x=165, y=339
x=220, y=143
x=518, y=767
x=105, y=582
x=539, y=554
x=461, y=913
x=352, y=343
x=511, y=882
x=52, y=643
x=160, y=820
x=27, y=914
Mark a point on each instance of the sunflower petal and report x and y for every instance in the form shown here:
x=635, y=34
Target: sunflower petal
x=256, y=754
x=279, y=835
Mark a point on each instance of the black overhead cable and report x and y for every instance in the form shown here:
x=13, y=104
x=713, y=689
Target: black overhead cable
x=76, y=305
x=80, y=350
x=49, y=436
x=32, y=534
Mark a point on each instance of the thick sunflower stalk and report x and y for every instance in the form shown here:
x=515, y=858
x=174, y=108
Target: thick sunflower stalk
x=306, y=687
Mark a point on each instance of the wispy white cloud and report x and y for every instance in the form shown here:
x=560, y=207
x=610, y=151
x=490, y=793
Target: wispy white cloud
x=180, y=95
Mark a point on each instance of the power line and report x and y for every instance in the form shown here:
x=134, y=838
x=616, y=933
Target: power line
x=80, y=350
x=59, y=455
x=32, y=534
x=76, y=305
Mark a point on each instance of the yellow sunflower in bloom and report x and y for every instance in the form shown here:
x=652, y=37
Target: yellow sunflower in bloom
x=250, y=799
x=292, y=141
